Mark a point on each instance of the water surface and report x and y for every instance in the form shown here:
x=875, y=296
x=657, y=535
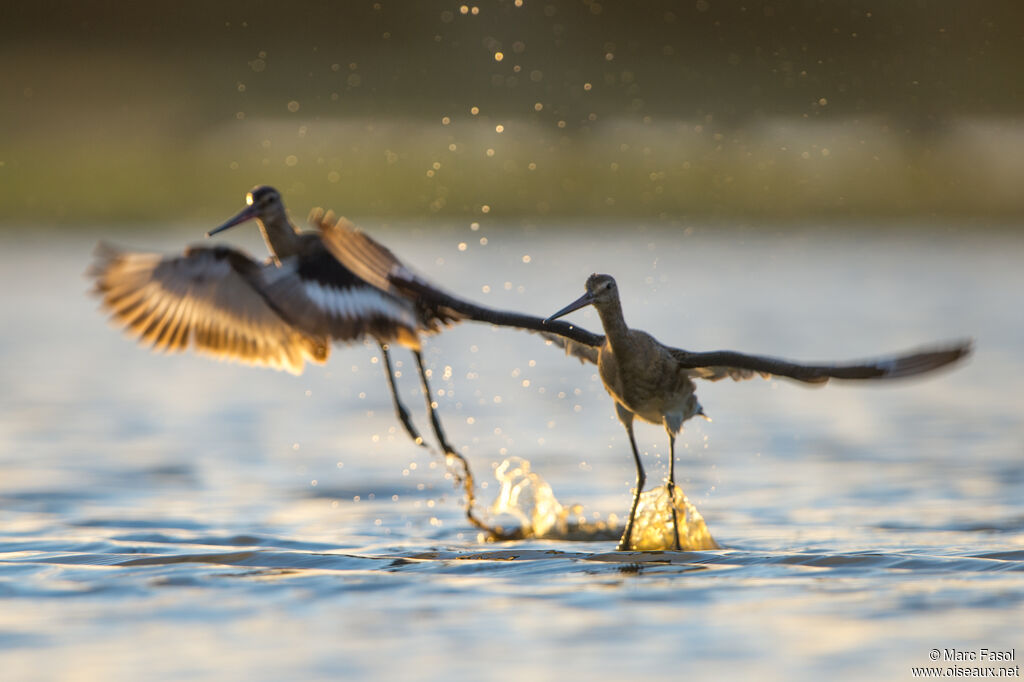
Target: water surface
x=172, y=516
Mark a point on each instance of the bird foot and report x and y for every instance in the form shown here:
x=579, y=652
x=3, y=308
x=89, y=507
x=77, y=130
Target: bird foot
x=624, y=541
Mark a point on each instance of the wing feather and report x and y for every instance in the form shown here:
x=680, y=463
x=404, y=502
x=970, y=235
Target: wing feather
x=581, y=351
x=209, y=299
x=377, y=266
x=717, y=365
x=318, y=294
x=367, y=258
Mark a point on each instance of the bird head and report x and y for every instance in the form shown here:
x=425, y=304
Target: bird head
x=600, y=290
x=262, y=203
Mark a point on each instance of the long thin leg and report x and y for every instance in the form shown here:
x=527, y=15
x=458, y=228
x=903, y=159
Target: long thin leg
x=626, y=417
x=403, y=414
x=466, y=477
x=672, y=486
x=432, y=408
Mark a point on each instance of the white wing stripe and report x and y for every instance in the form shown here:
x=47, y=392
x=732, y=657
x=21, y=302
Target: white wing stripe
x=360, y=302
x=289, y=266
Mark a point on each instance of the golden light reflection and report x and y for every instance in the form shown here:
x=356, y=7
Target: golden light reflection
x=528, y=502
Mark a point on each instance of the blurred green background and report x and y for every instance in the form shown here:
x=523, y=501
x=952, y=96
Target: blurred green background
x=758, y=111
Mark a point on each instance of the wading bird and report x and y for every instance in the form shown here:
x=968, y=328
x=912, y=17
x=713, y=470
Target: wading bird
x=655, y=382
x=278, y=313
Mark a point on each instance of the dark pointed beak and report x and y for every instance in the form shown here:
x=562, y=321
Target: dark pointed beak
x=581, y=302
x=247, y=213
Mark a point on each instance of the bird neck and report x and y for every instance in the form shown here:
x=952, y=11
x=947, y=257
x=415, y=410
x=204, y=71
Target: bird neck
x=279, y=234
x=614, y=323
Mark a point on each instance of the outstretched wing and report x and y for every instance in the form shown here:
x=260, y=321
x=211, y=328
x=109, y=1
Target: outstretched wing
x=581, y=351
x=550, y=330
x=376, y=265
x=208, y=299
x=364, y=256
x=319, y=295
x=717, y=365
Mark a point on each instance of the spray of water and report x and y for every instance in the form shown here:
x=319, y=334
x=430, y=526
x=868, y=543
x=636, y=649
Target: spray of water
x=526, y=507
x=653, y=526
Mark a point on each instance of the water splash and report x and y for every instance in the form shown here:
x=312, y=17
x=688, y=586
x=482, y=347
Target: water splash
x=529, y=500
x=533, y=511
x=652, y=529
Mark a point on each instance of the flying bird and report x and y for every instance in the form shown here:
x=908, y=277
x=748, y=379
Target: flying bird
x=288, y=309
x=281, y=312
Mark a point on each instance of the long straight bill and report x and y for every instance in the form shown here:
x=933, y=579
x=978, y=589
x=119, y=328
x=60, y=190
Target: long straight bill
x=581, y=302
x=247, y=213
